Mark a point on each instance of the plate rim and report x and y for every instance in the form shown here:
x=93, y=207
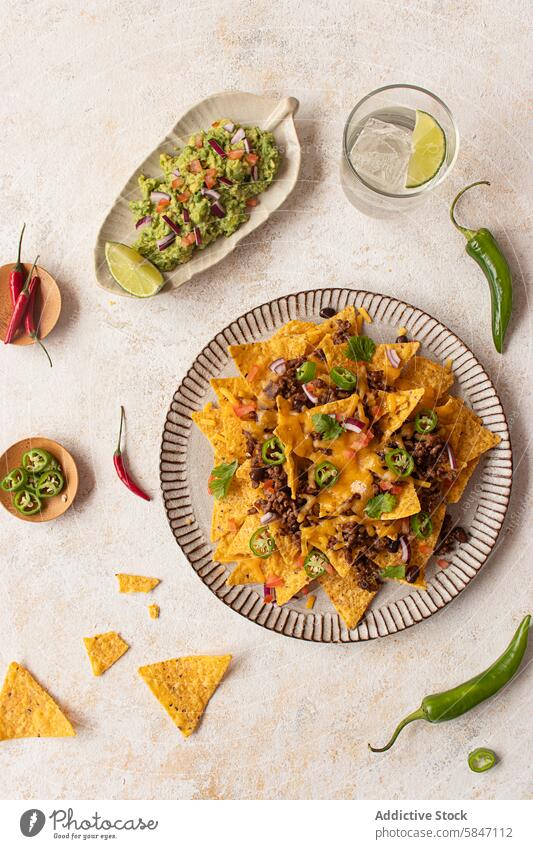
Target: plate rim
x=420, y=604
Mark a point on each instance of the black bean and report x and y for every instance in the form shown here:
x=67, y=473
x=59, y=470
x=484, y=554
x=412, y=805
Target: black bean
x=412, y=574
x=327, y=312
x=393, y=545
x=402, y=338
x=258, y=474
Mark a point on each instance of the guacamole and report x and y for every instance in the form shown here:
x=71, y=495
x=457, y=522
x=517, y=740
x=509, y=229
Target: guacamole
x=207, y=190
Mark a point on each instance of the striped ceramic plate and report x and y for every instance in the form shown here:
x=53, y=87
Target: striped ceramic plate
x=186, y=462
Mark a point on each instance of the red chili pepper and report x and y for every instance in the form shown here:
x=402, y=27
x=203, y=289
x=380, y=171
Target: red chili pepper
x=29, y=321
x=20, y=307
x=18, y=274
x=122, y=472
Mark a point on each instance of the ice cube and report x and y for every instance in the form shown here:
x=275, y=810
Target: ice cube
x=381, y=154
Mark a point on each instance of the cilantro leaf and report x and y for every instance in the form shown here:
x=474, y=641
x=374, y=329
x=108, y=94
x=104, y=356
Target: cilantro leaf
x=393, y=572
x=360, y=349
x=326, y=426
x=220, y=479
x=383, y=503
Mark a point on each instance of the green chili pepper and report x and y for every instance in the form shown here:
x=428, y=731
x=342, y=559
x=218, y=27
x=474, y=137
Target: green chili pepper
x=422, y=525
x=426, y=421
x=262, y=544
x=32, y=481
x=27, y=502
x=450, y=704
x=315, y=563
x=343, y=378
x=273, y=451
x=326, y=474
x=480, y=760
x=485, y=250
x=50, y=483
x=305, y=372
x=36, y=460
x=14, y=480
x=400, y=462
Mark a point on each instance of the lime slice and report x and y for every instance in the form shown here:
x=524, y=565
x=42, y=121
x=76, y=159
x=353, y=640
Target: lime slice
x=133, y=272
x=428, y=150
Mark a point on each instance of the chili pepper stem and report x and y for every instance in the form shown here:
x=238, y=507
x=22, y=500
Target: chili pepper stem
x=35, y=336
x=20, y=244
x=118, y=451
x=468, y=234
x=417, y=714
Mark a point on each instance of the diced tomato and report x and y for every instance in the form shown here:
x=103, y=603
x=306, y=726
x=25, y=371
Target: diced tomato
x=304, y=590
x=385, y=486
x=274, y=581
x=268, y=598
x=233, y=526
x=198, y=142
x=442, y=563
x=395, y=489
x=242, y=410
x=329, y=568
x=184, y=197
x=195, y=166
x=300, y=562
x=178, y=183
x=268, y=486
x=424, y=548
x=210, y=177
x=251, y=201
x=189, y=239
x=235, y=154
x=162, y=205
x=252, y=158
x=350, y=453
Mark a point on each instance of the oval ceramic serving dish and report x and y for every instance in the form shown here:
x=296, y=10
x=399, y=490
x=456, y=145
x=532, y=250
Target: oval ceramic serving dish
x=186, y=464
x=242, y=107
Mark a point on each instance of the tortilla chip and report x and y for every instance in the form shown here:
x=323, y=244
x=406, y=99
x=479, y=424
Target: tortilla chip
x=397, y=407
x=184, y=686
x=475, y=439
x=294, y=328
x=455, y=493
x=288, y=566
x=26, y=709
x=230, y=512
x=421, y=551
x=135, y=583
x=381, y=362
x=434, y=378
x=211, y=422
x=104, y=650
x=452, y=418
x=249, y=570
x=237, y=545
x=329, y=326
x=406, y=505
x=349, y=600
x=318, y=536
x=259, y=355
x=153, y=610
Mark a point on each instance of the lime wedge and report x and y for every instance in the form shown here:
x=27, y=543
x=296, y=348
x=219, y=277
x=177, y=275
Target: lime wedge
x=428, y=150
x=133, y=272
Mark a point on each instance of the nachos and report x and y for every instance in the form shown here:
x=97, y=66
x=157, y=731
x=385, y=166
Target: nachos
x=335, y=459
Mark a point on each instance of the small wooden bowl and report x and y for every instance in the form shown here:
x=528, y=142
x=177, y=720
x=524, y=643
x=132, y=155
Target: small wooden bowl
x=47, y=307
x=52, y=507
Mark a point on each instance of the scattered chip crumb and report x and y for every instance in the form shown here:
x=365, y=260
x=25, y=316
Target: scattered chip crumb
x=135, y=583
x=448, y=365
x=365, y=315
x=310, y=603
x=402, y=331
x=153, y=609
x=188, y=521
x=104, y=650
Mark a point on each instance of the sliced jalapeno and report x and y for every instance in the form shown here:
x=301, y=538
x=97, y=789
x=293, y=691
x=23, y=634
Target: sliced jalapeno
x=27, y=502
x=422, y=525
x=14, y=480
x=400, y=462
x=480, y=760
x=36, y=460
x=326, y=474
x=343, y=378
x=32, y=481
x=305, y=372
x=273, y=451
x=315, y=563
x=262, y=544
x=426, y=421
x=50, y=483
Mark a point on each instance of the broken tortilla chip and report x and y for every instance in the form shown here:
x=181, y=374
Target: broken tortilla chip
x=104, y=650
x=135, y=583
x=249, y=570
x=184, y=686
x=153, y=610
x=26, y=709
x=349, y=600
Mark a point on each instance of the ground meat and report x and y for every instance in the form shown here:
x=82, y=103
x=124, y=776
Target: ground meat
x=343, y=331
x=429, y=453
x=354, y=537
x=367, y=574
x=290, y=388
x=450, y=536
x=376, y=380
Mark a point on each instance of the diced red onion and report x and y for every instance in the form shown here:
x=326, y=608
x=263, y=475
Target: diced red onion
x=255, y=173
x=393, y=357
x=155, y=197
x=239, y=135
x=406, y=549
x=354, y=424
x=267, y=517
x=176, y=172
x=143, y=222
x=451, y=457
x=186, y=216
x=197, y=236
x=216, y=147
x=210, y=193
x=162, y=244
x=218, y=210
x=172, y=224
x=229, y=127
x=246, y=144
x=312, y=398
x=278, y=366
x=225, y=181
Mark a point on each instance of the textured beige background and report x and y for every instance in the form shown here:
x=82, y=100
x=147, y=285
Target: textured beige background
x=87, y=90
